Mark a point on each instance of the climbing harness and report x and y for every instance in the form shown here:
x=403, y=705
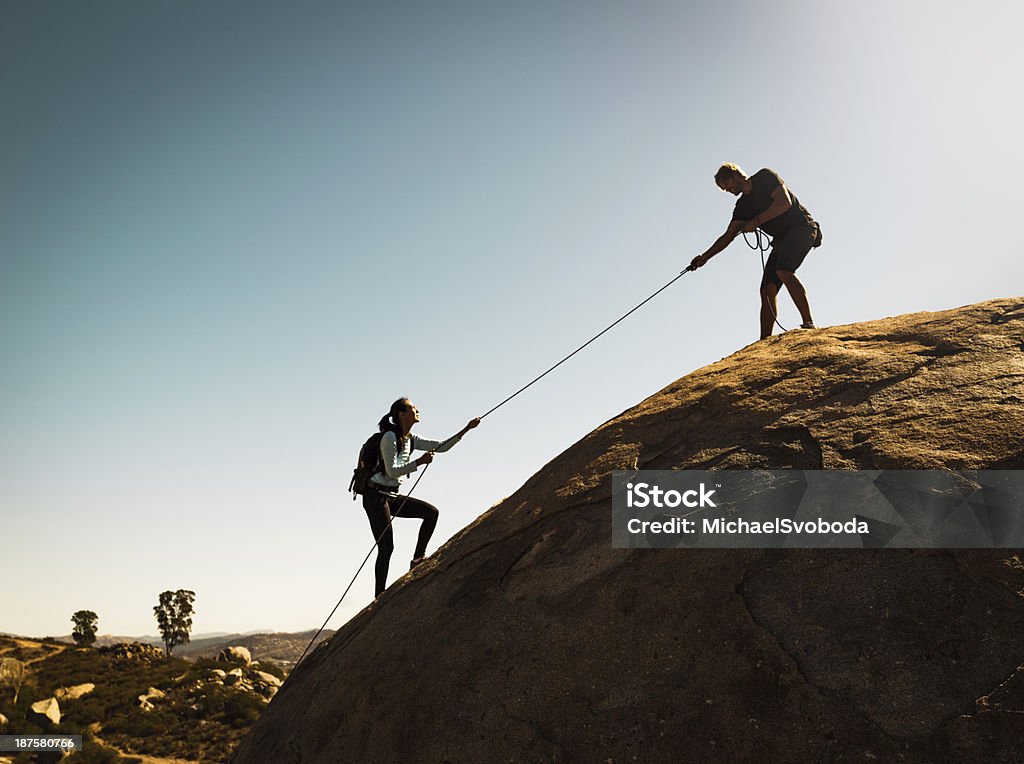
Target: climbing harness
x=490, y=411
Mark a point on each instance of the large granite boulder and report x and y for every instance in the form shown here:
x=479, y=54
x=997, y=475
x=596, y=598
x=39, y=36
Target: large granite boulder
x=527, y=637
x=235, y=655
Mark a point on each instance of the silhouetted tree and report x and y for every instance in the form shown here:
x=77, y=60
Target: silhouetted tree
x=85, y=627
x=174, y=616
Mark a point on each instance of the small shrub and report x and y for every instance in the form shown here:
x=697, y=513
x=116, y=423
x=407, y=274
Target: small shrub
x=143, y=724
x=242, y=709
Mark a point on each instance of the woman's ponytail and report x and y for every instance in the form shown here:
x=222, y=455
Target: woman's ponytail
x=389, y=422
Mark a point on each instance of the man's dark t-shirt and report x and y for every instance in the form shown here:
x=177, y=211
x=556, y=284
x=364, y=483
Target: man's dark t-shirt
x=759, y=198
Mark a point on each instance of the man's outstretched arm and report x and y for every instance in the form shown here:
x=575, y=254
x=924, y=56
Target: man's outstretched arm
x=721, y=243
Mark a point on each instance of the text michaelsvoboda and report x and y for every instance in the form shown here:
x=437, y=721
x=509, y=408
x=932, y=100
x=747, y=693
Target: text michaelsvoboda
x=720, y=525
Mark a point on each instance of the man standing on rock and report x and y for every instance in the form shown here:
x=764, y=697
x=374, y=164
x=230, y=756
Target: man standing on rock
x=766, y=203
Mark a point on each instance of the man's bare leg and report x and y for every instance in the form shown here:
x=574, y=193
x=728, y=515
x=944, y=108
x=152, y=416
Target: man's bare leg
x=798, y=293
x=769, y=308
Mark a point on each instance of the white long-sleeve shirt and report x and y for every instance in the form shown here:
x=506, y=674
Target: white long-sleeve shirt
x=398, y=464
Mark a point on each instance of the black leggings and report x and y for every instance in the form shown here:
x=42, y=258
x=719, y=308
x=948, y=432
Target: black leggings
x=379, y=507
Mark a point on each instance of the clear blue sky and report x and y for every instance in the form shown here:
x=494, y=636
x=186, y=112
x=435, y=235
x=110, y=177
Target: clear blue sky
x=232, y=233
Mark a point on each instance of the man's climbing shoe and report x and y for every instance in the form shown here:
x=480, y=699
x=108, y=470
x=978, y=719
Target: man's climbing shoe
x=416, y=561
x=808, y=325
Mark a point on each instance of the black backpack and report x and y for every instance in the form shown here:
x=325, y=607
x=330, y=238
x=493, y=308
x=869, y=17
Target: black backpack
x=369, y=464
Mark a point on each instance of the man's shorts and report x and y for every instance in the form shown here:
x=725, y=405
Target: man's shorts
x=788, y=251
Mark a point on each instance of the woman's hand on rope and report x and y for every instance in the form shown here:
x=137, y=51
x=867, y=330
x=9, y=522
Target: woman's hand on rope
x=426, y=458
x=470, y=425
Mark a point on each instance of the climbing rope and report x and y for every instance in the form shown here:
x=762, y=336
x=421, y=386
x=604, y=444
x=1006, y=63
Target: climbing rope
x=488, y=413
x=596, y=336
x=376, y=541
x=762, y=243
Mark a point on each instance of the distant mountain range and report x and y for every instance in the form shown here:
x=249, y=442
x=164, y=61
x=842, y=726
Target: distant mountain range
x=282, y=648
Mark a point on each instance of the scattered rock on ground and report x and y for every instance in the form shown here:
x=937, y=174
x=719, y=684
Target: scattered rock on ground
x=266, y=678
x=145, y=701
x=133, y=651
x=45, y=711
x=74, y=693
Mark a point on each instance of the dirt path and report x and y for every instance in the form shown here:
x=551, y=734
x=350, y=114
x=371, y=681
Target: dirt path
x=140, y=756
x=30, y=645
x=40, y=646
